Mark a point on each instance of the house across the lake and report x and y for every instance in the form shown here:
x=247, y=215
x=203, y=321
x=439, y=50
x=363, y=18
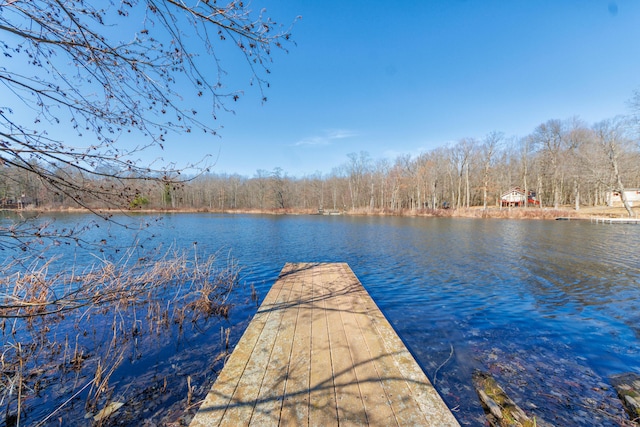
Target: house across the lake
x=17, y=203
x=615, y=199
x=516, y=198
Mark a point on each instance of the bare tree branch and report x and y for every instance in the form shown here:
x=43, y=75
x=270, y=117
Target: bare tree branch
x=109, y=69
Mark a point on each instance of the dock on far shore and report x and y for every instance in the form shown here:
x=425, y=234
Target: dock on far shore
x=603, y=220
x=320, y=352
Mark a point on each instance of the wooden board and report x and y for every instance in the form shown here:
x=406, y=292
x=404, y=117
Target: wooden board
x=319, y=352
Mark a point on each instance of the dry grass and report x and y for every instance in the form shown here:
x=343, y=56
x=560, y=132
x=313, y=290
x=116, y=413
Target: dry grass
x=605, y=211
x=474, y=212
x=516, y=213
x=494, y=212
x=61, y=326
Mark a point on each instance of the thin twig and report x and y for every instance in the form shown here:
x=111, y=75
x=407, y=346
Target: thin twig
x=67, y=401
x=435, y=374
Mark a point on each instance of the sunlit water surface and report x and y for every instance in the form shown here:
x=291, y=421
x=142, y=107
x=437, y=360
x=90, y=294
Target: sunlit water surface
x=550, y=308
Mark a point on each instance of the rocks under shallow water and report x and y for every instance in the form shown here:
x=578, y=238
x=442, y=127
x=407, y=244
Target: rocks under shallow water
x=501, y=411
x=564, y=388
x=627, y=386
x=107, y=411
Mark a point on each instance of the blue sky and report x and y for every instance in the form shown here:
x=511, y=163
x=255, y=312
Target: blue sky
x=394, y=78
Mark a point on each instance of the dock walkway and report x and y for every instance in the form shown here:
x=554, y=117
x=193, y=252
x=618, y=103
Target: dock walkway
x=598, y=220
x=319, y=352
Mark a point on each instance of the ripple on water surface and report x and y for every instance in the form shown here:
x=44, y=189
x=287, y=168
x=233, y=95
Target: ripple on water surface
x=550, y=308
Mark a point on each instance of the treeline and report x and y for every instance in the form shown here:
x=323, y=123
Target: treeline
x=565, y=162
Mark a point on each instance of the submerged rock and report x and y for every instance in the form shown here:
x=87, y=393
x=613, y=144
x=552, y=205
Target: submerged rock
x=107, y=411
x=500, y=410
x=627, y=386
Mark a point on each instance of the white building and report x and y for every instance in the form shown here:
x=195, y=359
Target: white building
x=516, y=197
x=615, y=199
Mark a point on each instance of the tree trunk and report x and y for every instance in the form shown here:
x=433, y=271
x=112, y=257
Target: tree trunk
x=467, y=191
x=576, y=193
x=613, y=157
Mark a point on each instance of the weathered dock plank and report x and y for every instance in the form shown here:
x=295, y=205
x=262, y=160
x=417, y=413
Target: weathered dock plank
x=322, y=404
x=319, y=352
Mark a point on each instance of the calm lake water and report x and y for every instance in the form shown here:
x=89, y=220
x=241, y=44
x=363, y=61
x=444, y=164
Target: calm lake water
x=550, y=308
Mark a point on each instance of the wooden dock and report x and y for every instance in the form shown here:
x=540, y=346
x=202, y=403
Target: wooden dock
x=320, y=352
x=598, y=220
x=616, y=220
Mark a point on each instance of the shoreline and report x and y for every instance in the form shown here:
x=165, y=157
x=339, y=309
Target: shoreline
x=473, y=212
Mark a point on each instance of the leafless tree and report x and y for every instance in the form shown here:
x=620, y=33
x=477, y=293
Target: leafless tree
x=77, y=78
x=357, y=168
x=612, y=136
x=549, y=136
x=490, y=146
x=461, y=157
x=576, y=136
x=526, y=146
x=102, y=70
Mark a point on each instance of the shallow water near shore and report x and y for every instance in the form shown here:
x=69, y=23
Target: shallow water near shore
x=550, y=308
